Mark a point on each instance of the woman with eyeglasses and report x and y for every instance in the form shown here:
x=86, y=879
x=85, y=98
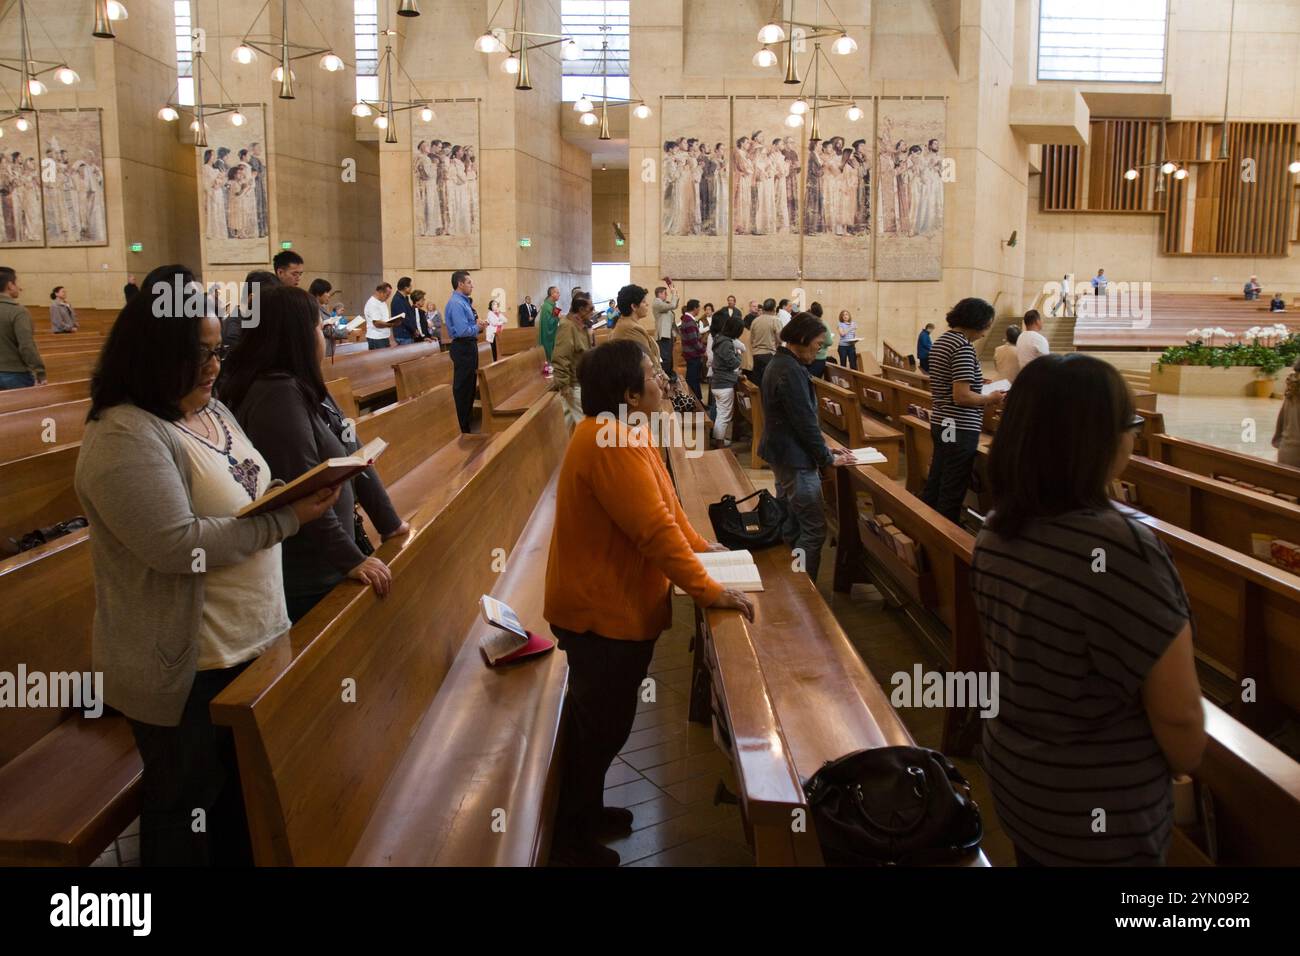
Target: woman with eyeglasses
x=186, y=594
x=274, y=384
x=1086, y=622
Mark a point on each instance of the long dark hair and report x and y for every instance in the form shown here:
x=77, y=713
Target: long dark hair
x=151, y=358
x=1057, y=440
x=283, y=340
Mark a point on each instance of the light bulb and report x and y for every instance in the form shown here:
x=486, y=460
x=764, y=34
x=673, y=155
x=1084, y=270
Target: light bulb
x=361, y=109
x=1294, y=167
x=764, y=58
x=487, y=43
x=1167, y=167
x=381, y=121
x=116, y=11
x=510, y=64
x=66, y=75
x=331, y=63
x=771, y=33
x=168, y=115
x=1131, y=174
x=194, y=126
x=36, y=87
x=22, y=124
x=244, y=54
x=426, y=115
x=583, y=105
x=844, y=45
x=588, y=119
x=853, y=113
x=794, y=120
x=799, y=107
x=572, y=51
x=1180, y=174
x=238, y=119
x=641, y=112
x=278, y=74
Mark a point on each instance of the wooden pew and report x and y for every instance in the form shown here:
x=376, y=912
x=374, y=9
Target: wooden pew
x=340, y=390
x=918, y=449
x=1256, y=787
x=508, y=387
x=1153, y=425
x=1211, y=462
x=395, y=748
x=892, y=356
x=54, y=393
x=789, y=687
x=838, y=407
x=419, y=375
x=371, y=372
x=600, y=335
x=68, y=784
x=70, y=366
x=907, y=377
x=37, y=491
x=749, y=405
x=513, y=341
x=23, y=433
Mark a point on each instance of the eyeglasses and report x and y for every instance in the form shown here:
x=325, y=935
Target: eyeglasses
x=1135, y=424
x=206, y=354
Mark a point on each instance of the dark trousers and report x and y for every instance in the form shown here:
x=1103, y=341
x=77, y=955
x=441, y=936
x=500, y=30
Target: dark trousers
x=464, y=361
x=694, y=374
x=849, y=355
x=949, y=478
x=378, y=343
x=493, y=343
x=604, y=686
x=666, y=356
x=760, y=364
x=187, y=768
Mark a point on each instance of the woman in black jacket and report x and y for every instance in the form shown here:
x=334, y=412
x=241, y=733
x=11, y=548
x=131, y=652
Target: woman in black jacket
x=275, y=387
x=792, y=438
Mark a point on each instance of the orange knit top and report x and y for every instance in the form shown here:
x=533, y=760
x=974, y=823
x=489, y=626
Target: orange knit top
x=620, y=538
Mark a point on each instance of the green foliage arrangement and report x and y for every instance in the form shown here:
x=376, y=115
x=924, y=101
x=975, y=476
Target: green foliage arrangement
x=1268, y=359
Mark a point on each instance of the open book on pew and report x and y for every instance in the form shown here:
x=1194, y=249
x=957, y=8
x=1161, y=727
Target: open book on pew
x=508, y=640
x=731, y=569
x=330, y=472
x=356, y=323
x=867, y=456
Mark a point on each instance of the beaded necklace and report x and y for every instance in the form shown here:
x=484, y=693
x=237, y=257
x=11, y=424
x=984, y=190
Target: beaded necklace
x=244, y=472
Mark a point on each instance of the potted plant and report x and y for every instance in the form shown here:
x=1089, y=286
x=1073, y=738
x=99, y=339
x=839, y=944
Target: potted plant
x=1268, y=363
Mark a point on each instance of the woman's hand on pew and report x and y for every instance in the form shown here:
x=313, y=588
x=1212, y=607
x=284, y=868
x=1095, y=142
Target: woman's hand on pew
x=736, y=601
x=313, y=506
x=403, y=528
x=718, y=547
x=375, y=573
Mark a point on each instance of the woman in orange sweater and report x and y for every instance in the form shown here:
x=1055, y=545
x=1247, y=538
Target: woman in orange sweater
x=621, y=539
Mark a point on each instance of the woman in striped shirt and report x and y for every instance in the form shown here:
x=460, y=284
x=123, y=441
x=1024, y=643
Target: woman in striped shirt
x=1086, y=621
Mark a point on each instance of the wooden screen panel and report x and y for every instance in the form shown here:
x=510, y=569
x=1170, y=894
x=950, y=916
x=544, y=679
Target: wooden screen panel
x=1062, y=179
x=1257, y=190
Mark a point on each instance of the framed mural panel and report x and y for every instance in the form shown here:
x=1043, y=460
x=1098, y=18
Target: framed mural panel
x=72, y=178
x=233, y=191
x=837, y=198
x=23, y=222
x=765, y=200
x=694, y=187
x=909, y=189
x=445, y=179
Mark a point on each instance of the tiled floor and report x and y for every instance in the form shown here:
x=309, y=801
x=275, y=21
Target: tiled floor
x=1238, y=424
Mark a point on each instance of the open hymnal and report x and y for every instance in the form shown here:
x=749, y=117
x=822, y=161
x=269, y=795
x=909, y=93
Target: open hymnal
x=508, y=640
x=731, y=569
x=356, y=323
x=867, y=456
x=1001, y=385
x=330, y=472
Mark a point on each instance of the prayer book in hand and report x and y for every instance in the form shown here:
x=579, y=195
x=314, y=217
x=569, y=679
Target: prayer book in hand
x=330, y=472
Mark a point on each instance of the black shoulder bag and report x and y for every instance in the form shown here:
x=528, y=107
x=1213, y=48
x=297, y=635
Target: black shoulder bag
x=893, y=805
x=334, y=421
x=748, y=530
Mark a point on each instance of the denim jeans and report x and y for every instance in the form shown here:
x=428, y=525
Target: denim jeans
x=16, y=380
x=694, y=373
x=378, y=343
x=949, y=478
x=849, y=355
x=805, y=520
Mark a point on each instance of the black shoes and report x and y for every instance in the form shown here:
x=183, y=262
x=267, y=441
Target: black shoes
x=586, y=850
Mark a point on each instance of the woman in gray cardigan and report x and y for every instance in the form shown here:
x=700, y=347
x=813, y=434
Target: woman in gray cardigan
x=186, y=594
x=62, y=318
x=273, y=382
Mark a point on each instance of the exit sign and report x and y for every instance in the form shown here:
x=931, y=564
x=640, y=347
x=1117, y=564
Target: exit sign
x=286, y=244
x=137, y=247
x=525, y=242
x=618, y=242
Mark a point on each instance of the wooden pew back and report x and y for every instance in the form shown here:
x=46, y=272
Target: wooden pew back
x=513, y=341
x=916, y=379
x=53, y=393
x=1211, y=462
x=69, y=366
x=749, y=403
x=397, y=650
x=340, y=390
x=892, y=356
x=422, y=374
x=371, y=372
x=37, y=491
x=508, y=386
x=23, y=433
x=414, y=429
x=838, y=408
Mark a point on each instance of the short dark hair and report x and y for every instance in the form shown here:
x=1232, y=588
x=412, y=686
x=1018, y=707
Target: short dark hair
x=285, y=259
x=55, y=291
x=416, y=295
x=974, y=314
x=283, y=340
x=579, y=303
x=929, y=325
x=769, y=305
x=629, y=297
x=7, y=276
x=260, y=280
x=783, y=303
x=457, y=277
x=403, y=283
x=383, y=287
x=692, y=305
x=319, y=287
x=1032, y=316
x=1013, y=333
x=803, y=329
x=1060, y=432
x=607, y=373
x=734, y=327
x=151, y=357
x=816, y=309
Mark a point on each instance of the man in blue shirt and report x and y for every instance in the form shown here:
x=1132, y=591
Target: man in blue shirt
x=407, y=330
x=1099, y=282
x=923, y=346
x=463, y=326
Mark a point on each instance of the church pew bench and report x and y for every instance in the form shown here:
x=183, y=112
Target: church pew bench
x=1212, y=462
x=52, y=393
x=600, y=335
x=891, y=356
x=916, y=379
x=60, y=345
x=340, y=390
x=815, y=689
x=749, y=406
x=68, y=783
x=290, y=719
x=1153, y=424
x=883, y=397
x=426, y=372
x=371, y=372
x=69, y=366
x=513, y=341
x=1255, y=787
x=31, y=431
x=508, y=387
x=37, y=491
x=918, y=449
x=839, y=408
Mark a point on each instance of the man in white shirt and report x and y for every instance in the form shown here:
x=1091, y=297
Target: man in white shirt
x=783, y=312
x=1031, y=343
x=378, y=318
x=1064, y=302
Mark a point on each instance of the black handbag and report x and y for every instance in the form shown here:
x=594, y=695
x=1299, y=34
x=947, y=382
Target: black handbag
x=34, y=539
x=334, y=422
x=748, y=530
x=893, y=805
